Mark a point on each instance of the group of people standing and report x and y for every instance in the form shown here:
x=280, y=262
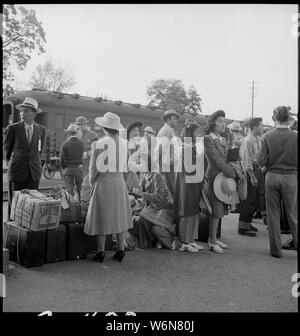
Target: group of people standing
x=253, y=172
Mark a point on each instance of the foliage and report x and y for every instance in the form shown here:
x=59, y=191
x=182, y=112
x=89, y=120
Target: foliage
x=49, y=77
x=171, y=94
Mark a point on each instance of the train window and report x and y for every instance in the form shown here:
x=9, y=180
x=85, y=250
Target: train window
x=59, y=121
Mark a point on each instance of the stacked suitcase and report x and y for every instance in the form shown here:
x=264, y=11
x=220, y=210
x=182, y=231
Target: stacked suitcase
x=46, y=229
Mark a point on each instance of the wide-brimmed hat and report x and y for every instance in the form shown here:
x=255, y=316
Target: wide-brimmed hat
x=30, y=102
x=170, y=113
x=81, y=120
x=72, y=129
x=149, y=129
x=109, y=120
x=225, y=189
x=235, y=126
x=132, y=125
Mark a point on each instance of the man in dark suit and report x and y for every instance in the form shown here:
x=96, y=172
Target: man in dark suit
x=23, y=144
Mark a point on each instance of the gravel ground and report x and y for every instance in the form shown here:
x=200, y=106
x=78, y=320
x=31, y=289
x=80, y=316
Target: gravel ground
x=245, y=279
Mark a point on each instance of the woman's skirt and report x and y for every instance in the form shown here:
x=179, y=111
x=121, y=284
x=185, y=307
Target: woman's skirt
x=109, y=209
x=188, y=228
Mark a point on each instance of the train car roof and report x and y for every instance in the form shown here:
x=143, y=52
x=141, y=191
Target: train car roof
x=73, y=101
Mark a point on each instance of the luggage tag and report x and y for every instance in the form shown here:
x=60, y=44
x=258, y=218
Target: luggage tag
x=39, y=145
x=64, y=203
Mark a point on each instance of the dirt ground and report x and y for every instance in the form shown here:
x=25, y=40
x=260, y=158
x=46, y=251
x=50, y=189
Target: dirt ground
x=245, y=279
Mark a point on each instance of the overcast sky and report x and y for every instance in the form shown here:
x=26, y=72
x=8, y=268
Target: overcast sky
x=118, y=50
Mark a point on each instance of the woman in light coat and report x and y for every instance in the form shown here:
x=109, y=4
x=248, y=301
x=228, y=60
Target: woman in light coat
x=109, y=209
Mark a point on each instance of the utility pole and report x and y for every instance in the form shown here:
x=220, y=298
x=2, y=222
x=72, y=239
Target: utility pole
x=252, y=97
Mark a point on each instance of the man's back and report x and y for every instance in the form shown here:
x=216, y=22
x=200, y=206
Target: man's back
x=282, y=153
x=72, y=152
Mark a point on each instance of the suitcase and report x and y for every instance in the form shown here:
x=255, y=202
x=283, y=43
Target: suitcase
x=91, y=243
x=284, y=224
x=26, y=247
x=72, y=214
x=203, y=229
x=55, y=249
x=76, y=243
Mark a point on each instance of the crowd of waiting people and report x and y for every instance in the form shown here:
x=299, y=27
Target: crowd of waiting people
x=213, y=168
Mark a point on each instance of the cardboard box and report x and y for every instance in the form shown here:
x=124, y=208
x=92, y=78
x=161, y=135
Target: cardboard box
x=35, y=210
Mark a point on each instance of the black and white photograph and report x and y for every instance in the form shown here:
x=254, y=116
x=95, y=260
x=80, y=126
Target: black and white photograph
x=150, y=161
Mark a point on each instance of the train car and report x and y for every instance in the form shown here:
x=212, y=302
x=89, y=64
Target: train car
x=61, y=109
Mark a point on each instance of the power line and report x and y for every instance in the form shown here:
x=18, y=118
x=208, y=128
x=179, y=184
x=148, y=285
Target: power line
x=252, y=97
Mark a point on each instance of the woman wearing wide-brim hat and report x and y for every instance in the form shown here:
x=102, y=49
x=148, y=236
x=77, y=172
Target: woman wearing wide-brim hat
x=216, y=152
x=109, y=209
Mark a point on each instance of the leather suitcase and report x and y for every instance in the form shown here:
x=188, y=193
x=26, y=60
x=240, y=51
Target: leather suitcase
x=203, y=229
x=26, y=247
x=56, y=240
x=91, y=243
x=76, y=241
x=71, y=214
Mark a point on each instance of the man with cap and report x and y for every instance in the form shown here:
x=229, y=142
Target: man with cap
x=166, y=139
x=87, y=137
x=71, y=155
x=23, y=144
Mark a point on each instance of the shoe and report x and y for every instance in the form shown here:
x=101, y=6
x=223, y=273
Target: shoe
x=215, y=248
x=174, y=245
x=159, y=245
x=119, y=255
x=222, y=245
x=197, y=246
x=253, y=228
x=276, y=255
x=288, y=245
x=248, y=233
x=188, y=248
x=99, y=256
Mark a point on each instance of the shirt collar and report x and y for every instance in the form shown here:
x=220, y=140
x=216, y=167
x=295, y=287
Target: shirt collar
x=27, y=125
x=282, y=126
x=169, y=127
x=215, y=136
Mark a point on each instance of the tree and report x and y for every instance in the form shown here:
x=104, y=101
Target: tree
x=171, y=94
x=22, y=34
x=194, y=101
x=49, y=77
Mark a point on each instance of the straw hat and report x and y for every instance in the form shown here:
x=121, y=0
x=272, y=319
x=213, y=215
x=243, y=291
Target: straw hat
x=72, y=129
x=225, y=189
x=149, y=129
x=81, y=120
x=170, y=113
x=109, y=120
x=30, y=102
x=235, y=126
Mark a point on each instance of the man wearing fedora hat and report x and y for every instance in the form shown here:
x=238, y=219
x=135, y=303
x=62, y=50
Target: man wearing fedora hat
x=23, y=144
x=87, y=137
x=166, y=137
x=236, y=130
x=71, y=154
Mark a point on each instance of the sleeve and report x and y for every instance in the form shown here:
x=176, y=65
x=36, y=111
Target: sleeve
x=158, y=194
x=63, y=156
x=8, y=142
x=246, y=156
x=214, y=156
x=43, y=138
x=93, y=171
x=262, y=157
